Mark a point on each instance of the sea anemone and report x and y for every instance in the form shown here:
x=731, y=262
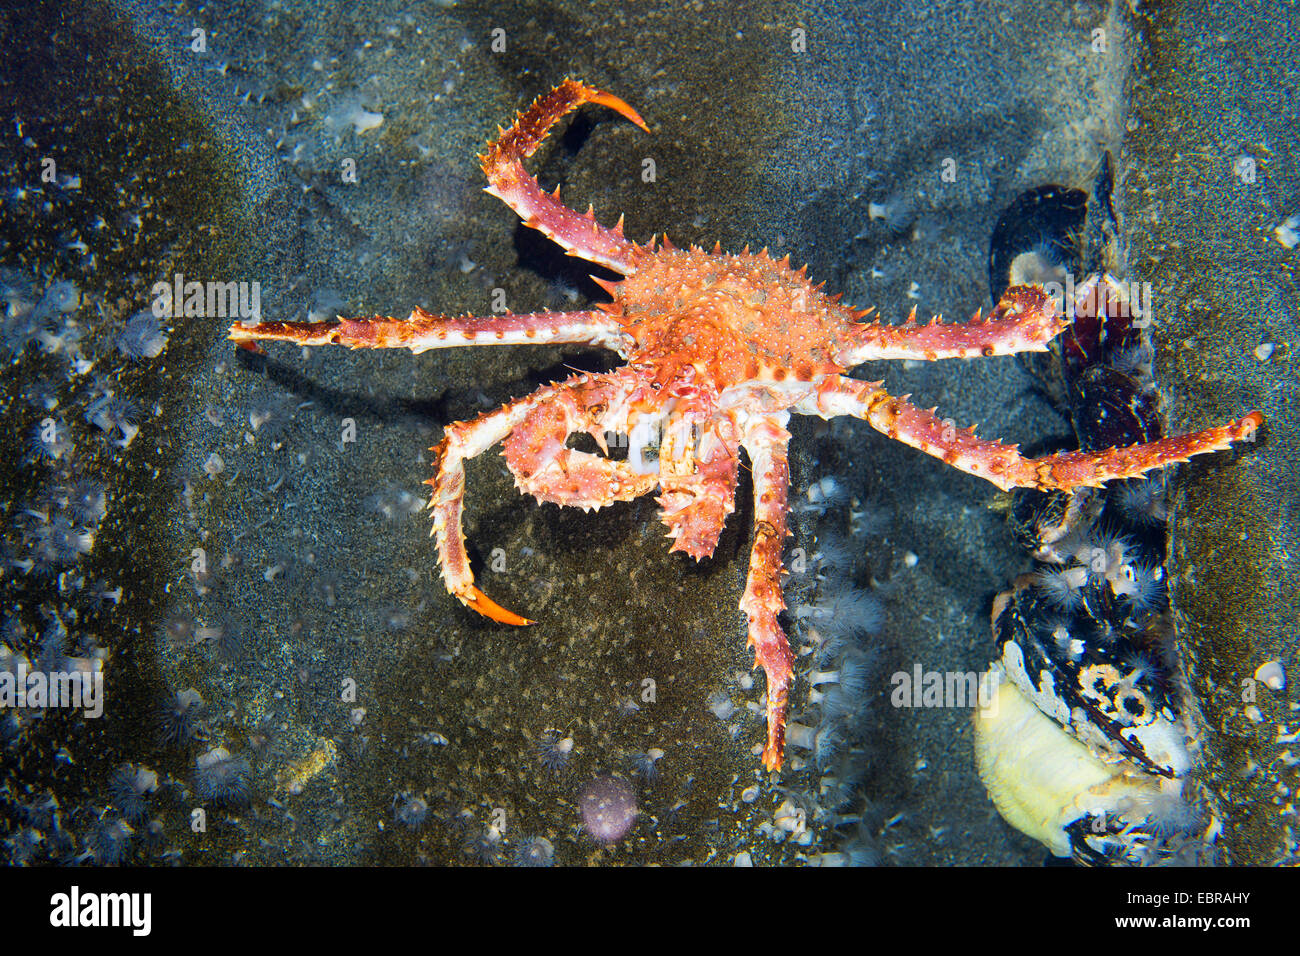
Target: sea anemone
x=178, y=720
x=410, y=811
x=110, y=411
x=54, y=647
x=721, y=705
x=646, y=764
x=833, y=554
x=553, y=750
x=179, y=629
x=231, y=643
x=110, y=841
x=821, y=495
x=484, y=848
x=839, y=705
x=49, y=441
x=1145, y=590
x=223, y=779
x=1105, y=555
x=1063, y=589
x=24, y=847
x=129, y=785
x=852, y=674
x=87, y=501
x=1165, y=811
x=55, y=542
x=142, y=337
x=1138, y=665
x=842, y=609
x=1141, y=500
x=534, y=851
x=270, y=412
x=1135, y=361
x=800, y=736
x=60, y=297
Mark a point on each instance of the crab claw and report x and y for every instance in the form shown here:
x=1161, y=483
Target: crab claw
x=480, y=602
x=602, y=98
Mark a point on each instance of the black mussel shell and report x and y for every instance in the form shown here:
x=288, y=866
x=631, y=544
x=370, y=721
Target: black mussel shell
x=1111, y=410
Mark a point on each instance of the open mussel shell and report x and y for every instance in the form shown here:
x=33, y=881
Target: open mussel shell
x=1038, y=239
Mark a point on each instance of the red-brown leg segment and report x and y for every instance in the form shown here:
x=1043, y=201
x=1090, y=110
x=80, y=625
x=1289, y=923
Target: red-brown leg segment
x=1002, y=464
x=580, y=235
x=1025, y=320
x=767, y=442
x=423, y=331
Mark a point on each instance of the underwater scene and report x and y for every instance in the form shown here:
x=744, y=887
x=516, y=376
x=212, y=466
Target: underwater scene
x=530, y=434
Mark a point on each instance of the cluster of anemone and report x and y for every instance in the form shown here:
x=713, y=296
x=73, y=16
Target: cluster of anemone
x=60, y=528
x=43, y=320
x=54, y=541
x=1101, y=591
x=39, y=835
x=1111, y=567
x=834, y=627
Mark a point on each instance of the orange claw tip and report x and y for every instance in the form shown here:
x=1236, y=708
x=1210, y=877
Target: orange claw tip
x=613, y=102
x=489, y=608
x=249, y=345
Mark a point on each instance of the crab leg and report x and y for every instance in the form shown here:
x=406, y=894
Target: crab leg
x=462, y=441
x=580, y=235
x=766, y=442
x=423, y=331
x=534, y=429
x=1025, y=320
x=544, y=467
x=699, y=487
x=1002, y=464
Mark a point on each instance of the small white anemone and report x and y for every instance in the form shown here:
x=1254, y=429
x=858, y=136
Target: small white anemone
x=1064, y=588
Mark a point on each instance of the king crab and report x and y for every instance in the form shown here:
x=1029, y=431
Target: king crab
x=719, y=349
